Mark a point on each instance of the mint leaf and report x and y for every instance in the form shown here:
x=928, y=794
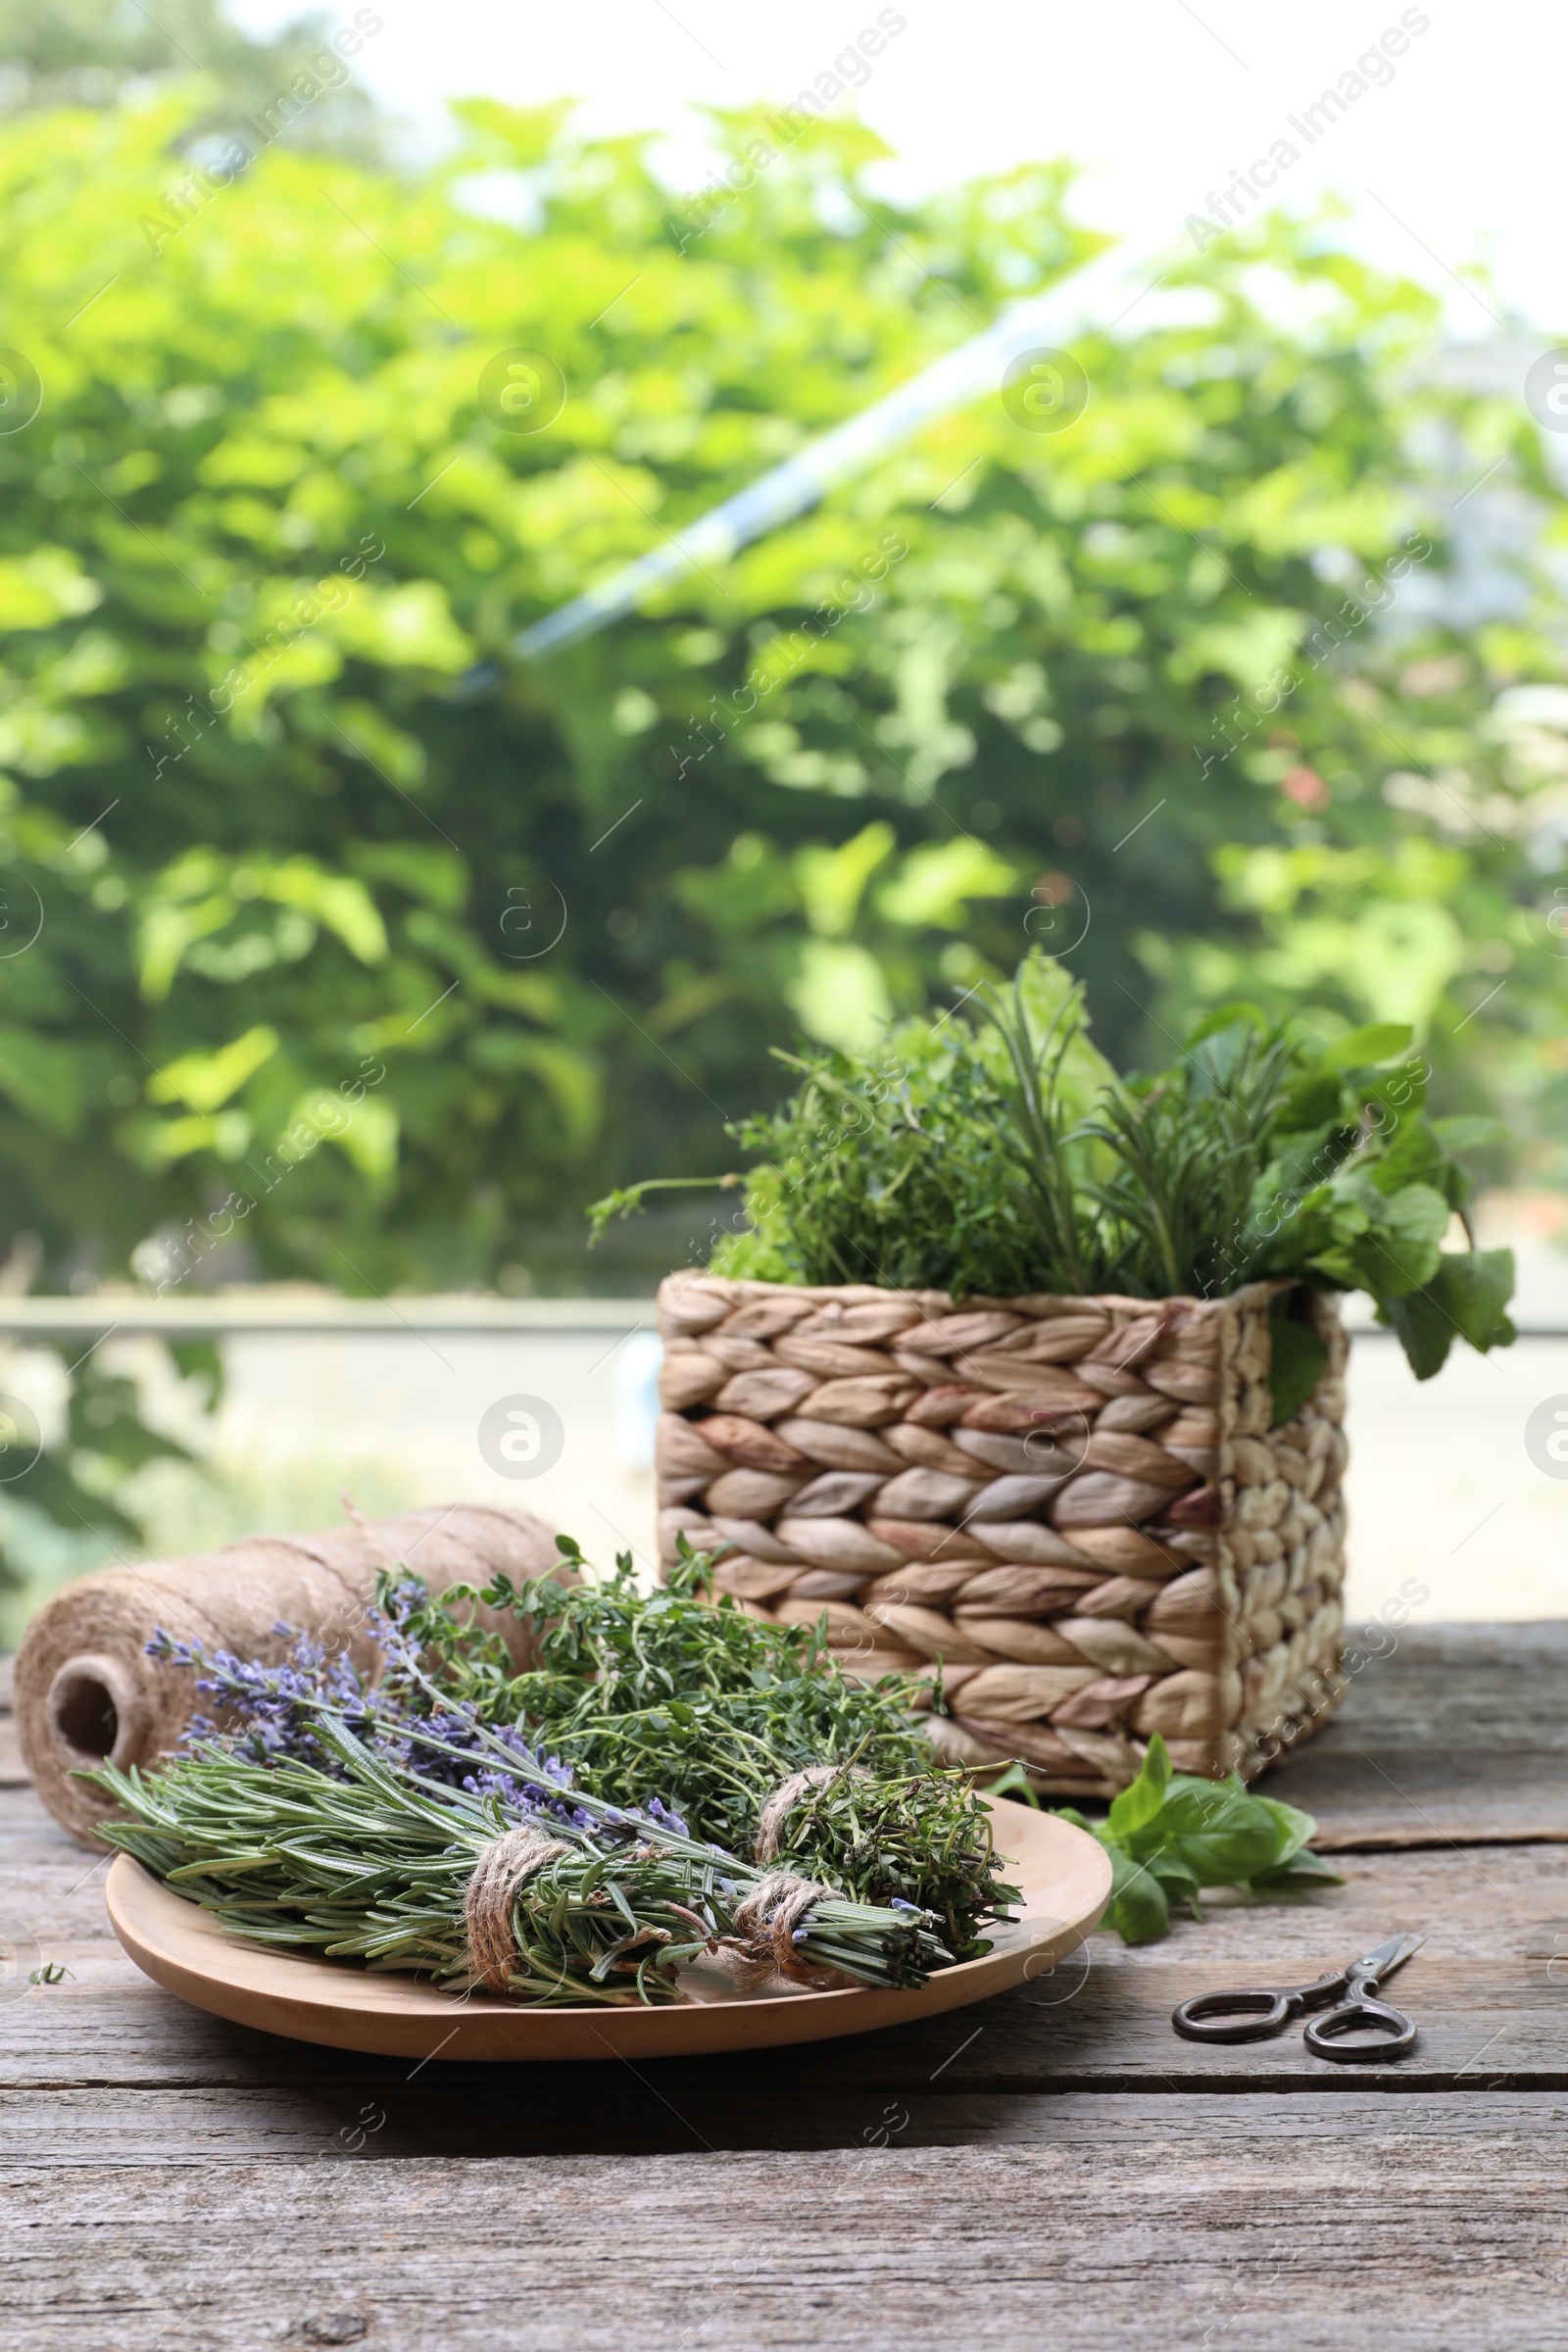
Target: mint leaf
x=1465, y=1298
x=1364, y=1048
x=1425, y=1328
x=1412, y=1154
x=1298, y=1361
x=1475, y=1285
x=1404, y=1238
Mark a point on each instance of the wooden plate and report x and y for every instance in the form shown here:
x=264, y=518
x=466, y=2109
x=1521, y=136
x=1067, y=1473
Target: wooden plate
x=1065, y=1877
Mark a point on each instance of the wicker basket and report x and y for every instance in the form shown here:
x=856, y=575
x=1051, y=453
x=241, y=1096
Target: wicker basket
x=1077, y=1505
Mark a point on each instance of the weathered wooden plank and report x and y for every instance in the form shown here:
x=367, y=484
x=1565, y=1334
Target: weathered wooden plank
x=1475, y=2034
x=286, y=2102
x=1489, y=1991
x=1080, y=2222
x=1459, y=1734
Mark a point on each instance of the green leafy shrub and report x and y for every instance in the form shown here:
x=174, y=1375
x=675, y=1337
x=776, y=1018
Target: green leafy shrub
x=262, y=526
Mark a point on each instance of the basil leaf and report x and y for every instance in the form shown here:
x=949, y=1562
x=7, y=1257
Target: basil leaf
x=1294, y=1827
x=1134, y=1808
x=1224, y=1834
x=1301, y=1870
x=1139, y=1910
x=1172, y=1872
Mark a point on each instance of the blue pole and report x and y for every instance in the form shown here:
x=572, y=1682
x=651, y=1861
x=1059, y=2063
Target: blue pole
x=1049, y=319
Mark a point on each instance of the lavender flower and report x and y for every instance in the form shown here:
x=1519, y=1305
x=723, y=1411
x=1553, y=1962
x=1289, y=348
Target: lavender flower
x=272, y=1712
x=275, y=1704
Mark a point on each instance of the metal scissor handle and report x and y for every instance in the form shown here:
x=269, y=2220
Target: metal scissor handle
x=1359, y=2013
x=1250, y=2013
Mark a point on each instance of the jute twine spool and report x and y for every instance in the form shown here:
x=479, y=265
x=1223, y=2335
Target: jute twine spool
x=1075, y=1509
x=87, y=1694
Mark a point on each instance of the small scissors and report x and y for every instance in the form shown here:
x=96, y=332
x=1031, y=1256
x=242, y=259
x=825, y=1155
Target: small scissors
x=1254, y=2013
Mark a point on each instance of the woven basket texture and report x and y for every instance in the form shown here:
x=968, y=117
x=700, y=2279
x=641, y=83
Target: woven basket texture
x=1076, y=1505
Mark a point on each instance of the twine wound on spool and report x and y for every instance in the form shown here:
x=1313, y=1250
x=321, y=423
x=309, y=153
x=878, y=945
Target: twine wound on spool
x=87, y=1694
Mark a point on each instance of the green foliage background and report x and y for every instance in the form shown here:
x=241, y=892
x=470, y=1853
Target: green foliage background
x=280, y=852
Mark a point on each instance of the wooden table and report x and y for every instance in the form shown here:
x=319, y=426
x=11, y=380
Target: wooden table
x=1053, y=2168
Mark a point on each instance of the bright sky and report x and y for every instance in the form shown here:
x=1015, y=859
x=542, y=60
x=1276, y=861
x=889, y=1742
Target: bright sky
x=1450, y=155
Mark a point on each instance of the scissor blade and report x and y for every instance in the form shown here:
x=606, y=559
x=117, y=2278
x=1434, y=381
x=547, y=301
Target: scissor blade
x=1385, y=1958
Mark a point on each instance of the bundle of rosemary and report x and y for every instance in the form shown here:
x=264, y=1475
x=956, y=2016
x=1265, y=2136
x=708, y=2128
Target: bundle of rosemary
x=368, y=1862
x=539, y=1834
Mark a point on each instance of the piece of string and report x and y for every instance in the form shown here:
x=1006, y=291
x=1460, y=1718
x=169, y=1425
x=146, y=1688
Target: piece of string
x=766, y=1922
x=764, y=1947
x=506, y=1865
x=787, y=1795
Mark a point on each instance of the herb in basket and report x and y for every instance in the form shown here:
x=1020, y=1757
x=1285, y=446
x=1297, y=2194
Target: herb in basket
x=1006, y=1157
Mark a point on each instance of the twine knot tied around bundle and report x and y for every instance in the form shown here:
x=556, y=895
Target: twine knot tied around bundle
x=787, y=1795
x=771, y=1916
x=766, y=1923
x=505, y=1866
x=766, y=1926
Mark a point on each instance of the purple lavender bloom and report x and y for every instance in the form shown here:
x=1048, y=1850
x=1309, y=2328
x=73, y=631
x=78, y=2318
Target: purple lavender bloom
x=277, y=1705
x=269, y=1714
x=665, y=1817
